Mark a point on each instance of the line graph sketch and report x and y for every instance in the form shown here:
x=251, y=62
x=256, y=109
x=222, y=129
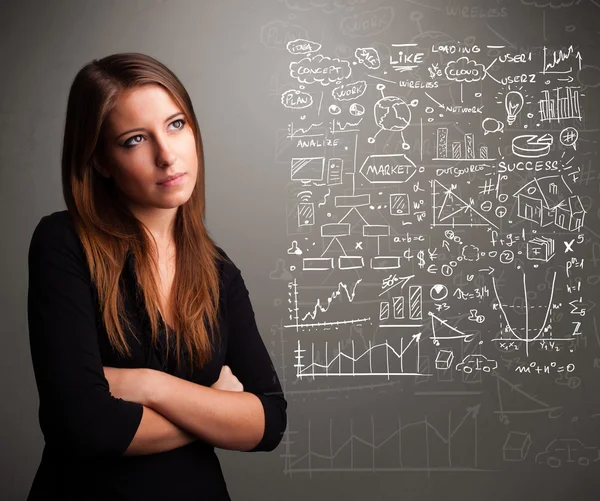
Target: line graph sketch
x=323, y=455
x=380, y=359
x=300, y=321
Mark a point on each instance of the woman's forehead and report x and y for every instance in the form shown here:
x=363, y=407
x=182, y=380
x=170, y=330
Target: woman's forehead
x=142, y=105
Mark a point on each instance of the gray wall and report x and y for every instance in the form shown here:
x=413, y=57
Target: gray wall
x=461, y=436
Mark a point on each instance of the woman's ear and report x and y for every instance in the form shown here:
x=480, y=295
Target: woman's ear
x=99, y=160
x=101, y=170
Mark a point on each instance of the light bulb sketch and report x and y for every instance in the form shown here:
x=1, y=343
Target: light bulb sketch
x=513, y=103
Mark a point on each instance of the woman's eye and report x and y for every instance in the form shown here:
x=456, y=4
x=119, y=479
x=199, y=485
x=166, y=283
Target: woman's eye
x=129, y=144
x=179, y=120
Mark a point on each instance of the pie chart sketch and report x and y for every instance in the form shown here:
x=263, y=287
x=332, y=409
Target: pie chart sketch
x=438, y=292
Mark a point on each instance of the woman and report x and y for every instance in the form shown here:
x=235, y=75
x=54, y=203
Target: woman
x=144, y=343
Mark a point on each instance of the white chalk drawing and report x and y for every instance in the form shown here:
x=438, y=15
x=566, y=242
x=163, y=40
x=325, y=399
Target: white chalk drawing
x=516, y=446
x=561, y=451
x=296, y=99
x=356, y=110
x=476, y=362
x=378, y=360
x=406, y=57
x=448, y=209
x=540, y=249
x=549, y=200
x=320, y=69
x=392, y=114
x=388, y=169
x=512, y=332
x=457, y=151
x=532, y=145
x=302, y=46
x=399, y=204
x=513, y=103
x=560, y=104
x=569, y=137
x=338, y=454
x=308, y=169
x=465, y=70
x=335, y=168
x=491, y=125
x=368, y=56
x=442, y=223
x=349, y=91
x=444, y=359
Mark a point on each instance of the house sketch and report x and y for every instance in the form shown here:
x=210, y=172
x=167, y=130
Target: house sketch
x=548, y=200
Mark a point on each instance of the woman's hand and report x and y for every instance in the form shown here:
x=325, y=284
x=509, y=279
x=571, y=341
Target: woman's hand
x=128, y=384
x=227, y=381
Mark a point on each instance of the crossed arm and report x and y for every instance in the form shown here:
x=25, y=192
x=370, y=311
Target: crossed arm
x=177, y=412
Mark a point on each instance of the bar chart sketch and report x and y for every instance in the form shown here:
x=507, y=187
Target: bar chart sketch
x=562, y=104
x=459, y=151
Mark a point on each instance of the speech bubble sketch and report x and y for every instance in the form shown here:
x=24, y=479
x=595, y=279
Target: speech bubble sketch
x=302, y=46
x=569, y=136
x=349, y=91
x=491, y=125
x=464, y=70
x=296, y=99
x=368, y=56
x=322, y=69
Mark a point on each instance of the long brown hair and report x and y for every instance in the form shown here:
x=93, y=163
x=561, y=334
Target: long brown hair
x=107, y=228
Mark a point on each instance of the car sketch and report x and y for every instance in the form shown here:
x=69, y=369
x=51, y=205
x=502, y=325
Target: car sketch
x=477, y=362
x=567, y=450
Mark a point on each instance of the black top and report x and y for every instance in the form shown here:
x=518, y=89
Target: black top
x=86, y=429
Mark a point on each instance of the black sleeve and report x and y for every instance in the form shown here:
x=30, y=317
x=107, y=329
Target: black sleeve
x=77, y=413
x=249, y=360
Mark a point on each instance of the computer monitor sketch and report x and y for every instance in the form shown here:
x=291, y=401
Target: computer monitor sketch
x=308, y=169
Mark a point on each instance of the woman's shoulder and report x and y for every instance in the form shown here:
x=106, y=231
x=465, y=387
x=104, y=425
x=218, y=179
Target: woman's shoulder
x=55, y=242
x=227, y=268
x=56, y=228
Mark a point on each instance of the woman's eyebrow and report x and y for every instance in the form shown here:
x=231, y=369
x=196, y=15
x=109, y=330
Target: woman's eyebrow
x=142, y=129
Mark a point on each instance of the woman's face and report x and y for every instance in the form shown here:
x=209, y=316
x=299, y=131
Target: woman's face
x=148, y=138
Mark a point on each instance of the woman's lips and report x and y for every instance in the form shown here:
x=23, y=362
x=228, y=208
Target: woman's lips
x=172, y=182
